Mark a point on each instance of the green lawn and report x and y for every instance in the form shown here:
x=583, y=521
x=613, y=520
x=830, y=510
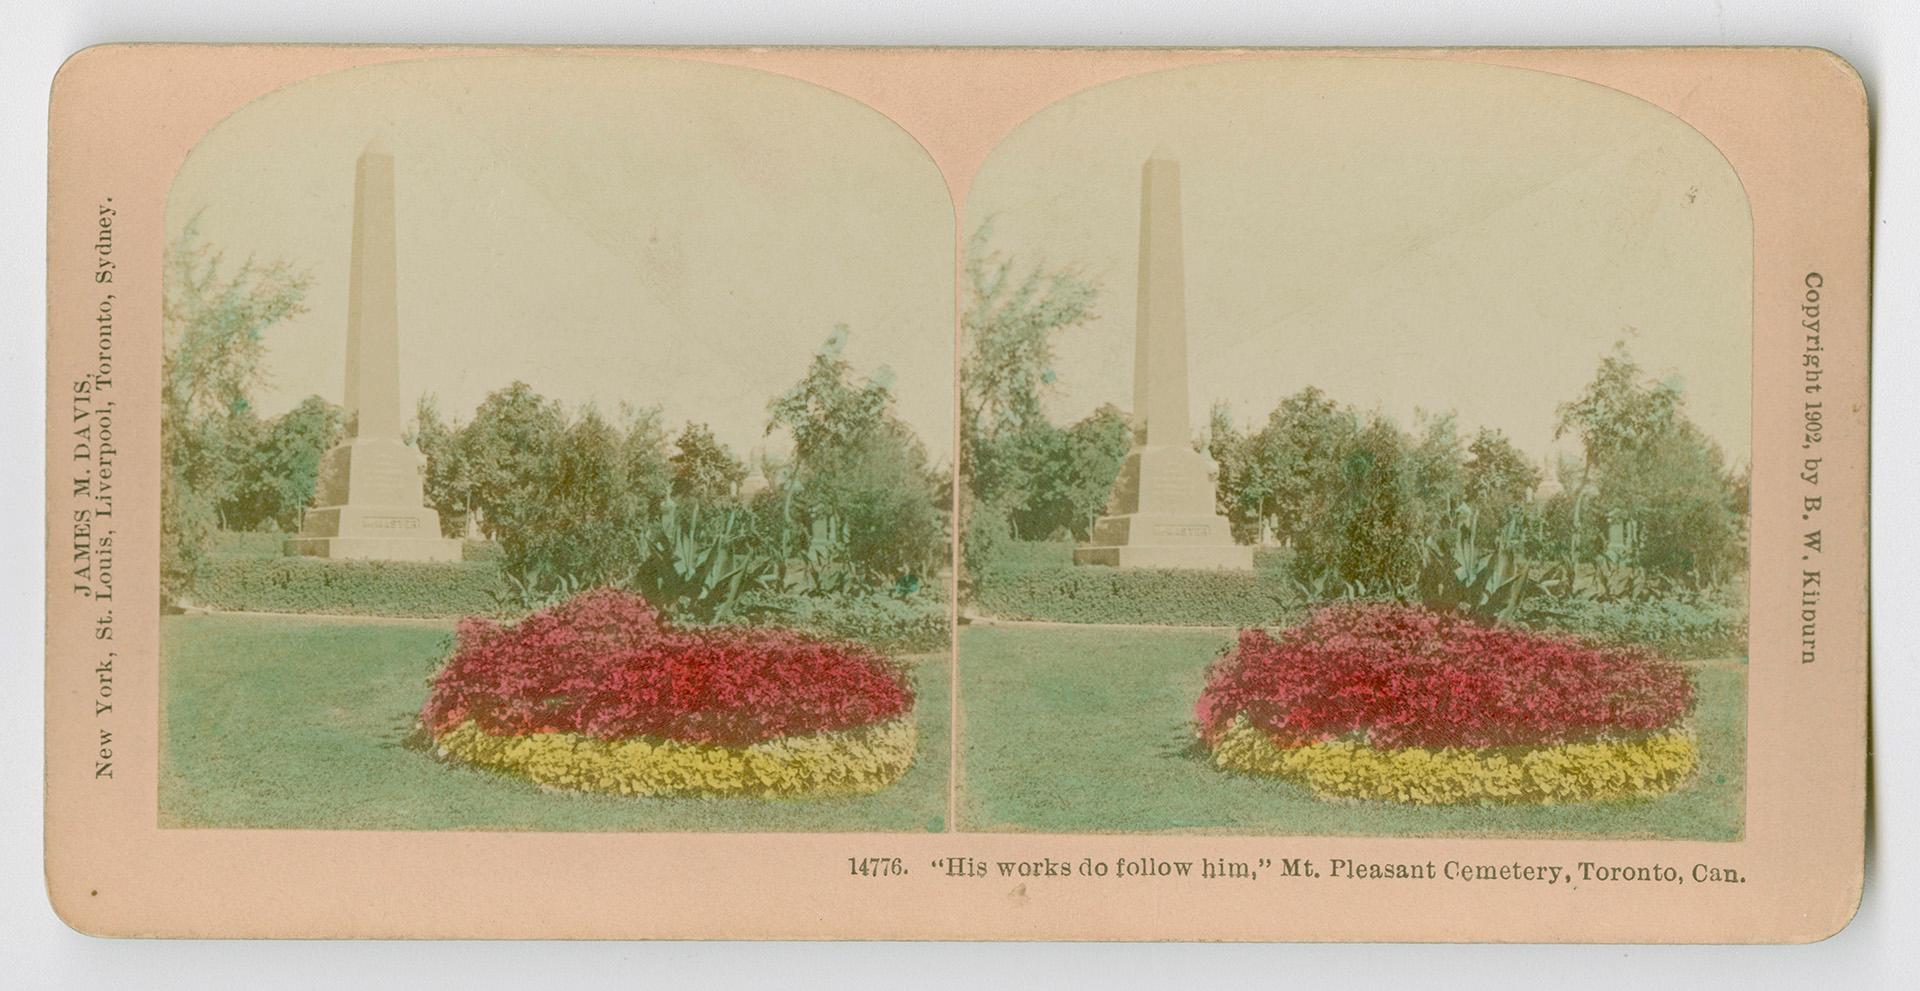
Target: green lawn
x=1089, y=730
x=309, y=724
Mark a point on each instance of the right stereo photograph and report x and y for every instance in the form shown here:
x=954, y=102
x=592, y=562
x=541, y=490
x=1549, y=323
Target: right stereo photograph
x=1354, y=447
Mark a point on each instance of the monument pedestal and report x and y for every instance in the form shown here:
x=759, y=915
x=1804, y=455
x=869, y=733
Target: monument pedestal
x=370, y=507
x=1163, y=523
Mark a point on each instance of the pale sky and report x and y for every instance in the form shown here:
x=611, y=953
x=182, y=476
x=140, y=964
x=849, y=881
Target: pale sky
x=1404, y=235
x=608, y=230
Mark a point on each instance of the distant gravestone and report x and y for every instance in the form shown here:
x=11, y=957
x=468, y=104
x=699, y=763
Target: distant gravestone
x=369, y=502
x=1161, y=513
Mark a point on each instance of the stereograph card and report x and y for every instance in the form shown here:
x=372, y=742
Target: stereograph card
x=1190, y=494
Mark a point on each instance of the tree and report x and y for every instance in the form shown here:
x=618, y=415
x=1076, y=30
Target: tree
x=704, y=468
x=1292, y=468
x=859, y=472
x=1499, y=478
x=213, y=319
x=583, y=523
x=1660, y=487
x=825, y=409
x=644, y=459
x=1379, y=518
x=1009, y=325
x=449, y=479
x=1235, y=495
x=277, y=478
x=1096, y=447
x=509, y=450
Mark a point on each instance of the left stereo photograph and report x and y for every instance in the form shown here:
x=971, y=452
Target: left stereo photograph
x=556, y=443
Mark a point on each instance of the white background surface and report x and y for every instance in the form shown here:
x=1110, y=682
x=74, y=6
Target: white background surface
x=1880, y=949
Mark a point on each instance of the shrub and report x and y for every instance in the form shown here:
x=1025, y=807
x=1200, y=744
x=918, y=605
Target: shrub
x=891, y=624
x=1673, y=627
x=367, y=588
x=604, y=665
x=1396, y=676
x=1097, y=594
x=186, y=528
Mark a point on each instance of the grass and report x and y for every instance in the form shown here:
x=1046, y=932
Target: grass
x=282, y=723
x=1089, y=730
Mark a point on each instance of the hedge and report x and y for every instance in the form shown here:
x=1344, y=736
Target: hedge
x=913, y=625
x=1099, y=594
x=236, y=543
x=365, y=588
x=1677, y=629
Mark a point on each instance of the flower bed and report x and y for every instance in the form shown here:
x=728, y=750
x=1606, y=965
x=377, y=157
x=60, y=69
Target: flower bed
x=1389, y=702
x=601, y=694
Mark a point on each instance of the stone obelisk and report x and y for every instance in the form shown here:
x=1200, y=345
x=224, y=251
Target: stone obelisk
x=369, y=500
x=1161, y=513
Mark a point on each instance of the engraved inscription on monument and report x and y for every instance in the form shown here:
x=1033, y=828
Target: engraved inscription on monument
x=369, y=501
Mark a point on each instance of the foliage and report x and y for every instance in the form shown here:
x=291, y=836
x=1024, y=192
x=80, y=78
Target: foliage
x=213, y=318
x=1570, y=772
x=1395, y=676
x=1499, y=480
x=646, y=467
x=1011, y=318
x=605, y=665
x=986, y=538
x=509, y=453
x=187, y=525
x=1024, y=475
x=449, y=478
x=278, y=473
x=1053, y=481
x=1678, y=628
x=703, y=467
x=888, y=622
x=1652, y=489
x=366, y=588
x=1376, y=524
x=1290, y=472
x=1460, y=574
x=860, y=485
x=1098, y=594
x=845, y=762
x=579, y=525
x=696, y=564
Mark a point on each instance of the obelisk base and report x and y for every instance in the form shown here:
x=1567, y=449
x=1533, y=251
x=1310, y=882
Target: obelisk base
x=371, y=507
x=1165, y=540
x=1161, y=516
x=374, y=533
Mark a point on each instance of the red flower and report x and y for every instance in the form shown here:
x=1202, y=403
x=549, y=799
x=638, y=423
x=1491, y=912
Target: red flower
x=1399, y=676
x=606, y=665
